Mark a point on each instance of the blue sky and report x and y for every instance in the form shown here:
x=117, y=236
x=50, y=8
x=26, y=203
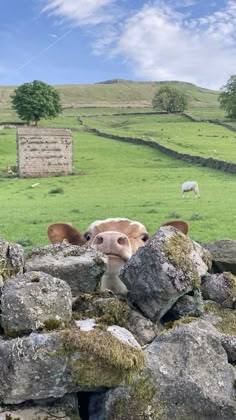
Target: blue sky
x=87, y=41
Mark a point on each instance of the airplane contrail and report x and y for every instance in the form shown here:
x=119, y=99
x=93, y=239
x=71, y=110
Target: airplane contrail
x=44, y=50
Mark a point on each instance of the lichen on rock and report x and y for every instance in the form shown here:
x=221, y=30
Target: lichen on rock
x=34, y=301
x=136, y=403
x=178, y=249
x=224, y=319
x=11, y=260
x=220, y=288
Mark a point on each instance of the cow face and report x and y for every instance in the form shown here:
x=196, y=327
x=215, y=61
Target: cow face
x=118, y=238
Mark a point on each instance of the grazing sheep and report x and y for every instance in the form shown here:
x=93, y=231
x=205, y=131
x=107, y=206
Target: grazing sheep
x=190, y=186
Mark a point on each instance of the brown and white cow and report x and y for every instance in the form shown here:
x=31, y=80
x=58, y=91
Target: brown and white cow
x=118, y=238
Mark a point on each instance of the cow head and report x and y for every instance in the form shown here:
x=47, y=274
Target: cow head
x=118, y=238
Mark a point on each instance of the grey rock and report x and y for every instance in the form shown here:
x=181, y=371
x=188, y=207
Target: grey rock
x=166, y=268
x=86, y=324
x=143, y=329
x=229, y=344
x=221, y=288
x=32, y=368
x=186, y=376
x=81, y=267
x=53, y=364
x=11, y=260
x=196, y=379
x=187, y=306
x=32, y=300
x=64, y=408
x=223, y=255
x=123, y=335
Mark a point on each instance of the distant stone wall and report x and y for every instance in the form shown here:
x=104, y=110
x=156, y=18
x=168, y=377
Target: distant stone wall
x=209, y=162
x=44, y=152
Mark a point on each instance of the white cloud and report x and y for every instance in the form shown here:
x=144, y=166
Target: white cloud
x=157, y=41
x=53, y=35
x=81, y=12
x=160, y=44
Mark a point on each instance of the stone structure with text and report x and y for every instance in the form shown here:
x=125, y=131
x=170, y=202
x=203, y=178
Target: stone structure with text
x=44, y=152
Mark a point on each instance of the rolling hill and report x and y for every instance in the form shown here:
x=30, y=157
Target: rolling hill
x=126, y=93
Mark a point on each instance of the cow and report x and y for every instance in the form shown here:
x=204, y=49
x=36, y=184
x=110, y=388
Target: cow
x=118, y=238
x=190, y=186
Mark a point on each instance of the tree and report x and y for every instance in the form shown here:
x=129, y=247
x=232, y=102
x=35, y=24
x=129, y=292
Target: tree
x=35, y=100
x=169, y=99
x=227, y=97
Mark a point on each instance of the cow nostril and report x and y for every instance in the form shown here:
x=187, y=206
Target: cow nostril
x=99, y=240
x=121, y=240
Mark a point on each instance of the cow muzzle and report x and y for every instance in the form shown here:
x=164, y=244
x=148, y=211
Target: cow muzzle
x=115, y=245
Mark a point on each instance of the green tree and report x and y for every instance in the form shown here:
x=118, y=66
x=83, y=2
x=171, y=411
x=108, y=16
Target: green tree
x=169, y=99
x=35, y=100
x=227, y=97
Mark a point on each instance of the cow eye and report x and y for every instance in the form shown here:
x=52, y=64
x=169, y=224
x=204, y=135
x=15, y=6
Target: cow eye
x=144, y=237
x=87, y=236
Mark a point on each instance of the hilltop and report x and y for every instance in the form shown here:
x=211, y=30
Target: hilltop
x=119, y=92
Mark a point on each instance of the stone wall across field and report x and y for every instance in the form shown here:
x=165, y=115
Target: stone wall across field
x=44, y=152
x=165, y=351
x=212, y=121
x=209, y=162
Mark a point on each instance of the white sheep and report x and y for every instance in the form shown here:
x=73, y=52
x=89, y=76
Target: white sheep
x=190, y=186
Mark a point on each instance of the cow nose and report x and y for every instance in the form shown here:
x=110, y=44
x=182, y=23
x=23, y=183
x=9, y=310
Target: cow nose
x=111, y=242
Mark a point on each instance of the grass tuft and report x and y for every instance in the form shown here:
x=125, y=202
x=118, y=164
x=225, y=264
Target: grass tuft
x=56, y=190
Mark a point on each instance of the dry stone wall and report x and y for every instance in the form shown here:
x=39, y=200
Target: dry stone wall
x=165, y=352
x=209, y=162
x=44, y=152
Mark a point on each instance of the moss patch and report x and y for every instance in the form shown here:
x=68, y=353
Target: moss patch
x=207, y=258
x=13, y=333
x=231, y=282
x=52, y=324
x=106, y=311
x=184, y=320
x=104, y=361
x=226, y=321
x=10, y=417
x=138, y=403
x=178, y=248
x=6, y=270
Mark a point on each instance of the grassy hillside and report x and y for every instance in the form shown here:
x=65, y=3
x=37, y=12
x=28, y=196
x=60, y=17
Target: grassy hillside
x=202, y=102
x=117, y=179
x=114, y=179
x=174, y=131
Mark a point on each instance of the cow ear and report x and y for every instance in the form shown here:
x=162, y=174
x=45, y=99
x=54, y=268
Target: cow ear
x=59, y=232
x=178, y=224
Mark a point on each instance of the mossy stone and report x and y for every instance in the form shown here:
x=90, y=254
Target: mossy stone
x=226, y=321
x=178, y=249
x=106, y=310
x=104, y=360
x=138, y=403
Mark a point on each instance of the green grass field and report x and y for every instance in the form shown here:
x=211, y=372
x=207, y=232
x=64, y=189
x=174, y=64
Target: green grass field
x=174, y=131
x=114, y=179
